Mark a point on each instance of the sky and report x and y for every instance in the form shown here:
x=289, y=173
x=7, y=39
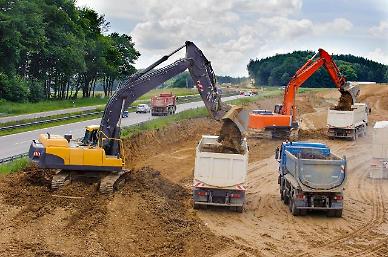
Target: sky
x=231, y=32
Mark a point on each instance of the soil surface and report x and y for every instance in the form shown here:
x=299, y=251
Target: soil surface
x=152, y=214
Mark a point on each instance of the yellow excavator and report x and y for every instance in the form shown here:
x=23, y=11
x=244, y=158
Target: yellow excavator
x=100, y=153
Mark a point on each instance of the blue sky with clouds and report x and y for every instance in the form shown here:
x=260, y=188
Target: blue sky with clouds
x=230, y=32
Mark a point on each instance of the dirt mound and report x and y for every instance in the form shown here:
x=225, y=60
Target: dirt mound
x=159, y=220
x=150, y=216
x=312, y=134
x=145, y=145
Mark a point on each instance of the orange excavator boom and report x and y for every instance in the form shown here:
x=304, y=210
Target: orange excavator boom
x=284, y=117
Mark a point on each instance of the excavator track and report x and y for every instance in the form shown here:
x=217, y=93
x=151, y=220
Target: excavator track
x=113, y=181
x=60, y=179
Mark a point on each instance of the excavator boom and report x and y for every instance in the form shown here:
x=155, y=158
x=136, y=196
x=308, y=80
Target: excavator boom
x=100, y=154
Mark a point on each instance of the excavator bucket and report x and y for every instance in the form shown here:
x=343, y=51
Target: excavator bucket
x=239, y=116
x=235, y=123
x=349, y=93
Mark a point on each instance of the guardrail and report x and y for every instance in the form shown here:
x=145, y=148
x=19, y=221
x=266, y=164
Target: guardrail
x=48, y=120
x=12, y=158
x=185, y=99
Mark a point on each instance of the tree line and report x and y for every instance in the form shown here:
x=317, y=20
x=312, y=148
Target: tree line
x=53, y=49
x=279, y=69
x=184, y=80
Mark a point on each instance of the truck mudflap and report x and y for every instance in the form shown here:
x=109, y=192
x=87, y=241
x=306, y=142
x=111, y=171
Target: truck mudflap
x=218, y=197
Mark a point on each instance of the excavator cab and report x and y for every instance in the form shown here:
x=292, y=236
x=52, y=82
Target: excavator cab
x=90, y=137
x=278, y=108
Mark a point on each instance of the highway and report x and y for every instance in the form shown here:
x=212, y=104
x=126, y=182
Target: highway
x=19, y=143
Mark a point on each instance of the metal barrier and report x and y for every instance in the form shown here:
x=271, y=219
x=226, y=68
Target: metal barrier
x=12, y=158
x=48, y=121
x=181, y=99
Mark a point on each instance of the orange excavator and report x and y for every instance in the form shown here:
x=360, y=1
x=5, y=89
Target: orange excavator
x=282, y=123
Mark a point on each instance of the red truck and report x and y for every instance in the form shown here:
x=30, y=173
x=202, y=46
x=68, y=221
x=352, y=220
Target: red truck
x=163, y=104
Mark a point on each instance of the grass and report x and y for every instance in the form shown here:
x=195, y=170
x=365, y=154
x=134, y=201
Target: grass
x=14, y=166
x=12, y=108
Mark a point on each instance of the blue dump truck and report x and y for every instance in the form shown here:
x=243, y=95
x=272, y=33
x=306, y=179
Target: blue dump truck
x=311, y=178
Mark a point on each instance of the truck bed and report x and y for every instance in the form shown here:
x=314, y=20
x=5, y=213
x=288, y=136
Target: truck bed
x=315, y=171
x=347, y=119
x=215, y=168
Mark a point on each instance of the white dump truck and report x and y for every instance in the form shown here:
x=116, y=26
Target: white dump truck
x=348, y=124
x=379, y=162
x=219, y=176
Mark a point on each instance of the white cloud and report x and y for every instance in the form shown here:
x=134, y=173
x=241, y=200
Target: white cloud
x=381, y=30
x=378, y=55
x=338, y=25
x=230, y=32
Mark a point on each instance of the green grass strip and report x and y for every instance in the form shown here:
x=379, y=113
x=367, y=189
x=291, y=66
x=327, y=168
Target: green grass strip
x=14, y=166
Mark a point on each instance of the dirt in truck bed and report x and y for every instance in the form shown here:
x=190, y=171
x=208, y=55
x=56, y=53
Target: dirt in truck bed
x=152, y=214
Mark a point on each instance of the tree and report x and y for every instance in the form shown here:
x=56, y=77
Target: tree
x=54, y=49
x=271, y=71
x=285, y=79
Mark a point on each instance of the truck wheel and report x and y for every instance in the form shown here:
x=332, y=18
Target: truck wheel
x=330, y=213
x=338, y=213
x=285, y=198
x=196, y=206
x=303, y=212
x=294, y=210
x=239, y=209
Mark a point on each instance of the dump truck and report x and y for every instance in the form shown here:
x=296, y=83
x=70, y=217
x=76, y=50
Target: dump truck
x=348, y=123
x=379, y=162
x=219, y=175
x=311, y=178
x=164, y=104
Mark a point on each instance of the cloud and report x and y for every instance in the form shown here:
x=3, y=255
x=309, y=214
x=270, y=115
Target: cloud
x=378, y=55
x=230, y=32
x=338, y=25
x=381, y=30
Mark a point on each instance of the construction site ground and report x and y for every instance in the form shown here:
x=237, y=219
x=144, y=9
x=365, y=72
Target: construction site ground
x=152, y=214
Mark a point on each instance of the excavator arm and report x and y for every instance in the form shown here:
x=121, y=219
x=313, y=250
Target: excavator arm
x=201, y=72
x=309, y=68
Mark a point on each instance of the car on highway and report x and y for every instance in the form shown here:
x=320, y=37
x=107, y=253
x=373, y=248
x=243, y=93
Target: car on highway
x=125, y=114
x=143, y=108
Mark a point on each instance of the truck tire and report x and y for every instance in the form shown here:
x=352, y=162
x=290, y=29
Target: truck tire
x=196, y=206
x=239, y=209
x=294, y=210
x=286, y=198
x=338, y=213
x=302, y=212
x=331, y=213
